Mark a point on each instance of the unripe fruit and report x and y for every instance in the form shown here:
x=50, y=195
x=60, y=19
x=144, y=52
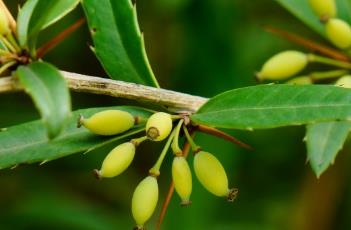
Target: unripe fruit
x=117, y=160
x=300, y=81
x=210, y=172
x=144, y=200
x=159, y=126
x=4, y=23
x=181, y=175
x=344, y=81
x=325, y=9
x=108, y=122
x=283, y=65
x=338, y=32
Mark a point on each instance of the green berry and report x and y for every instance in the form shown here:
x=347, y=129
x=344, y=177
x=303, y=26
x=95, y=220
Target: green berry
x=338, y=32
x=159, y=126
x=144, y=200
x=211, y=174
x=118, y=160
x=344, y=81
x=108, y=122
x=324, y=9
x=181, y=175
x=283, y=65
x=300, y=81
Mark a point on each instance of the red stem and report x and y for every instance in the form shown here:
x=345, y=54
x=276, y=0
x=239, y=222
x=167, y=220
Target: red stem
x=59, y=38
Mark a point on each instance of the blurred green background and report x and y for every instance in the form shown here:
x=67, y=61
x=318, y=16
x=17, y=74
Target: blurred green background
x=200, y=47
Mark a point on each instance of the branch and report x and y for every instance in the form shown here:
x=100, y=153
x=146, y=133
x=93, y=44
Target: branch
x=173, y=101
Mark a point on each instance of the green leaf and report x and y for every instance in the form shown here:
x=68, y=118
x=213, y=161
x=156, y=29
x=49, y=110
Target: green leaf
x=36, y=15
x=27, y=143
x=48, y=89
x=302, y=10
x=119, y=44
x=324, y=141
x=270, y=106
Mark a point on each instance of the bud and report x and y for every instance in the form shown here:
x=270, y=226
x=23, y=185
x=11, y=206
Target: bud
x=300, y=81
x=181, y=175
x=159, y=126
x=325, y=9
x=344, y=81
x=338, y=32
x=283, y=65
x=4, y=23
x=210, y=172
x=117, y=160
x=144, y=200
x=108, y=122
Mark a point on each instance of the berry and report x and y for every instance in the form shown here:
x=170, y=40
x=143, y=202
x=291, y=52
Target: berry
x=338, y=32
x=159, y=126
x=181, y=175
x=118, y=160
x=283, y=65
x=300, y=81
x=344, y=81
x=108, y=122
x=144, y=200
x=325, y=9
x=210, y=172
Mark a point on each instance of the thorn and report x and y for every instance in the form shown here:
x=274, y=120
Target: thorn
x=14, y=167
x=43, y=162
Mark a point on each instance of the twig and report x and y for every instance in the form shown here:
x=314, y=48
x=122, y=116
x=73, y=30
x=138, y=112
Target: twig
x=170, y=192
x=333, y=53
x=223, y=135
x=173, y=101
x=59, y=38
x=12, y=21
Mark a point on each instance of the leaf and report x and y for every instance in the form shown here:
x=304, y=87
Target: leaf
x=36, y=15
x=48, y=89
x=119, y=44
x=27, y=143
x=302, y=10
x=270, y=106
x=324, y=141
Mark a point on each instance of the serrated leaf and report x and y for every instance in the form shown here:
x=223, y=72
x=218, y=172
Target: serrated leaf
x=28, y=143
x=302, y=10
x=36, y=15
x=270, y=106
x=324, y=141
x=119, y=45
x=48, y=89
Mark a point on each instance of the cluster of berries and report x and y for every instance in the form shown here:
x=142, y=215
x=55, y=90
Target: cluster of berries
x=158, y=127
x=286, y=64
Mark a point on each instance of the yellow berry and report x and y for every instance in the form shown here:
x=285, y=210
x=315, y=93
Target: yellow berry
x=323, y=8
x=338, y=32
x=117, y=160
x=181, y=175
x=109, y=122
x=159, y=126
x=300, y=81
x=211, y=174
x=283, y=65
x=144, y=200
x=4, y=23
x=344, y=81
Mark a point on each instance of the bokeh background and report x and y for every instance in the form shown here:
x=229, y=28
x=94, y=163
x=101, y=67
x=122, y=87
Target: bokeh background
x=201, y=47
